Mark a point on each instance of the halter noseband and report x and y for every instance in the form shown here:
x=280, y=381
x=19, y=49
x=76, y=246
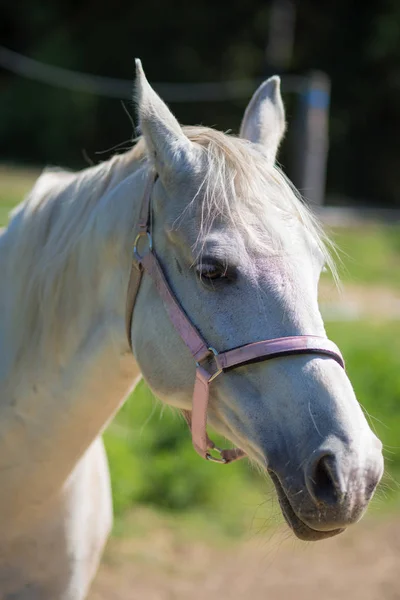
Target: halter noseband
x=203, y=354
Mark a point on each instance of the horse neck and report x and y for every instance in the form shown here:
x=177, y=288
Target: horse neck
x=52, y=408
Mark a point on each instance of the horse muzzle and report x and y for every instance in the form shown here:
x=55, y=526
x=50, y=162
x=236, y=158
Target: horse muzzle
x=331, y=491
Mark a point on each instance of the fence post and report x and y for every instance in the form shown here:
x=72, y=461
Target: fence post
x=311, y=138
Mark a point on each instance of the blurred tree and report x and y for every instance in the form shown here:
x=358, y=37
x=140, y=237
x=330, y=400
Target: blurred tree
x=358, y=45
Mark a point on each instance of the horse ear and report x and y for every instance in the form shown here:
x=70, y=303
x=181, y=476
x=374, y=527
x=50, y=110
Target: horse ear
x=264, y=118
x=168, y=146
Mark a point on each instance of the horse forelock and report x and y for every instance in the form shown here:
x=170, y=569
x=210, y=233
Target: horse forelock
x=242, y=188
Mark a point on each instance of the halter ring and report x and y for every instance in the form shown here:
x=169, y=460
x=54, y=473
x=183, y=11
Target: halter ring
x=136, y=254
x=215, y=459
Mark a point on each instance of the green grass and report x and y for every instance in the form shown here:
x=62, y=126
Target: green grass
x=369, y=254
x=15, y=183
x=153, y=463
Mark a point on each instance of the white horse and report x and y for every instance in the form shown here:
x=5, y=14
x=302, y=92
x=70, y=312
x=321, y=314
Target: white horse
x=243, y=256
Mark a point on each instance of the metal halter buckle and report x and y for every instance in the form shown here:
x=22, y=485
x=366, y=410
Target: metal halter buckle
x=214, y=352
x=136, y=254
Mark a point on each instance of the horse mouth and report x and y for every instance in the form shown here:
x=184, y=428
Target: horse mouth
x=299, y=528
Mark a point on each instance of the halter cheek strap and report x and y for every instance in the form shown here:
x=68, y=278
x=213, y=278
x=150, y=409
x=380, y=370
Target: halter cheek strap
x=209, y=363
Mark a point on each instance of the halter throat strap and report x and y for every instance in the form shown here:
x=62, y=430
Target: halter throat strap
x=209, y=363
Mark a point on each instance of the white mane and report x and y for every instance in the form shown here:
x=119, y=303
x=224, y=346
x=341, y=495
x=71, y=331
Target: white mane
x=52, y=233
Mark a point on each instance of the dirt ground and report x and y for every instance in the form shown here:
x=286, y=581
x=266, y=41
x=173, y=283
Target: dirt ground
x=361, y=564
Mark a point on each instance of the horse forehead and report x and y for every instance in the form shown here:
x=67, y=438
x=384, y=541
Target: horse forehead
x=224, y=240
x=224, y=243
x=221, y=239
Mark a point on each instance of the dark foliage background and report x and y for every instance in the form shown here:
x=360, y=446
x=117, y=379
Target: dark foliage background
x=356, y=44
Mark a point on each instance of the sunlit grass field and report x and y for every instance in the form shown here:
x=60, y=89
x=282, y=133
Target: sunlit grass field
x=149, y=448
x=369, y=255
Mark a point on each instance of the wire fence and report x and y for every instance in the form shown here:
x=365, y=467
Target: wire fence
x=111, y=87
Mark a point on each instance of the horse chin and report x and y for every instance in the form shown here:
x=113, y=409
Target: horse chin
x=300, y=529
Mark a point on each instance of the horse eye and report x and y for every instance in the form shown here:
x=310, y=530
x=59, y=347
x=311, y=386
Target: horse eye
x=211, y=271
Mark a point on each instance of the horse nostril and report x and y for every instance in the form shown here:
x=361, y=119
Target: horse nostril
x=324, y=481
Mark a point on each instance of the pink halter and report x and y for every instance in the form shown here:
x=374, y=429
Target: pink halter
x=205, y=356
